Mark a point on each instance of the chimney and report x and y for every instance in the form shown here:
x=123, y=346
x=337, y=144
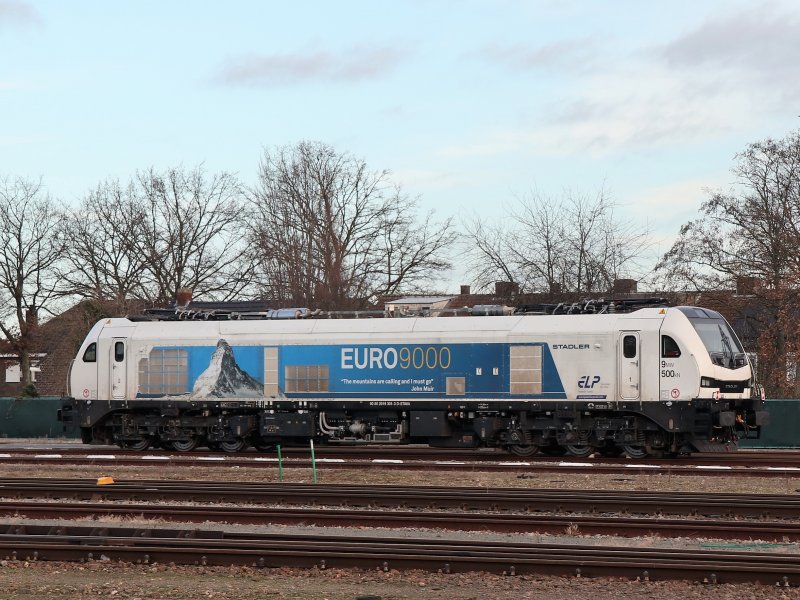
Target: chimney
x=183, y=297
x=624, y=286
x=555, y=288
x=32, y=316
x=506, y=289
x=746, y=286
x=465, y=290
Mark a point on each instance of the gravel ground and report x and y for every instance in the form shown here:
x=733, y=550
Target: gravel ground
x=45, y=580
x=28, y=580
x=59, y=580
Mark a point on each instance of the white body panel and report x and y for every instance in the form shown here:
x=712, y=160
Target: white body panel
x=586, y=349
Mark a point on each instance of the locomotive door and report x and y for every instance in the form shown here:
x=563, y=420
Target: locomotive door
x=118, y=371
x=628, y=362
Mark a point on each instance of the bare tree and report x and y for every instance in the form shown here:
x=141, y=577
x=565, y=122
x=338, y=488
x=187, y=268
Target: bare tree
x=193, y=234
x=532, y=253
x=752, y=232
x=157, y=234
x=411, y=254
x=329, y=233
x=102, y=261
x=573, y=245
x=31, y=248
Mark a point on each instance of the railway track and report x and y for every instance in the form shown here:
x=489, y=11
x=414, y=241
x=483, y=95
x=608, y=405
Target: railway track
x=553, y=501
x=716, y=516
x=744, y=458
x=777, y=464
x=274, y=550
x=621, y=526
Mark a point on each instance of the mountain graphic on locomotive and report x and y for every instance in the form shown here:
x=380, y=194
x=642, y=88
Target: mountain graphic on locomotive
x=596, y=378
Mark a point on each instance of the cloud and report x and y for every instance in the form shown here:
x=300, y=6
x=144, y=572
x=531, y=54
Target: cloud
x=348, y=66
x=756, y=48
x=431, y=179
x=724, y=75
x=10, y=85
x=566, y=55
x=611, y=112
x=679, y=198
x=667, y=207
x=13, y=12
x=753, y=39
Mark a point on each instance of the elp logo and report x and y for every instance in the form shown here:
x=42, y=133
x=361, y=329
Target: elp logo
x=588, y=381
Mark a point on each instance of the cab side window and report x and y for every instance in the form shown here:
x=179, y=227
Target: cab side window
x=91, y=353
x=669, y=347
x=629, y=346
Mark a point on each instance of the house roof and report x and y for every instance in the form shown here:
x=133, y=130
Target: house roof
x=420, y=300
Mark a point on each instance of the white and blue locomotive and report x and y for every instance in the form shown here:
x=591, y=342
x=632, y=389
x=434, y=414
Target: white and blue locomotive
x=653, y=381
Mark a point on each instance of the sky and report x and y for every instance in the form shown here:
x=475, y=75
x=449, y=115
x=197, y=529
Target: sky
x=469, y=104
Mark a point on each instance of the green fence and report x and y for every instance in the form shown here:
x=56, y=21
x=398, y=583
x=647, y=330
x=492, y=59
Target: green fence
x=37, y=418
x=783, y=430
x=31, y=418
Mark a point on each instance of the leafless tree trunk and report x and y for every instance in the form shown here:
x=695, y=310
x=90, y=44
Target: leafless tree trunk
x=328, y=233
x=102, y=261
x=31, y=247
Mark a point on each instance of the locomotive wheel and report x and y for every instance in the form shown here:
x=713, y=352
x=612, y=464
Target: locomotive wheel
x=139, y=445
x=520, y=450
x=635, y=451
x=184, y=445
x=578, y=451
x=236, y=445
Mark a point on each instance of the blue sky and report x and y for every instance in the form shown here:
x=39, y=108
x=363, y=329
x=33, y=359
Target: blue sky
x=469, y=104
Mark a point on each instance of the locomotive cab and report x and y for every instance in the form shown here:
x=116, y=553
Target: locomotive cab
x=83, y=371
x=725, y=370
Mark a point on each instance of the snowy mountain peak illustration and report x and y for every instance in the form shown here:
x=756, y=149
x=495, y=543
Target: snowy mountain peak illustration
x=223, y=378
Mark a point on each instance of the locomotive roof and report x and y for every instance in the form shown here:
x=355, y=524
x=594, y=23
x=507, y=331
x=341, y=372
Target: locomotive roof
x=342, y=328
x=239, y=311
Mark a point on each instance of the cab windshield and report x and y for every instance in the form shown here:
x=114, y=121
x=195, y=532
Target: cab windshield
x=719, y=339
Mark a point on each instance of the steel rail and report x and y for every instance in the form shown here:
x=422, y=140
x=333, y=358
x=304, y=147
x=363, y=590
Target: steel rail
x=269, y=550
x=497, y=499
x=744, y=458
x=774, y=531
x=509, y=465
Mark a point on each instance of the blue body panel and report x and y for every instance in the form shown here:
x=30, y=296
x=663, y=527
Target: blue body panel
x=402, y=371
x=389, y=371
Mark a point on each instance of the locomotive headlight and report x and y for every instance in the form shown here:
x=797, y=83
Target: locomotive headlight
x=707, y=382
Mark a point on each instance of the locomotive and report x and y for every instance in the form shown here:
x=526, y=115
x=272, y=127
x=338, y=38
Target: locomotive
x=652, y=381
